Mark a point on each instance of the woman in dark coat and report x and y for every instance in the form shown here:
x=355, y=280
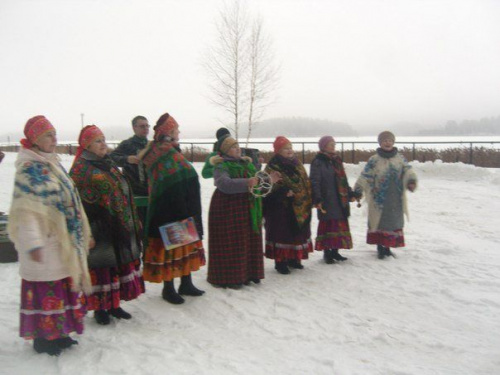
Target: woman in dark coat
x=174, y=195
x=287, y=210
x=114, y=262
x=331, y=196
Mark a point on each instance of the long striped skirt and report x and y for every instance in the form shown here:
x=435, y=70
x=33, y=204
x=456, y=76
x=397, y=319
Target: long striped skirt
x=50, y=309
x=393, y=238
x=333, y=234
x=235, y=252
x=111, y=285
x=164, y=265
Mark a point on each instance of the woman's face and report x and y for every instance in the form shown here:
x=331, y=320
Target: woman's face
x=387, y=144
x=47, y=142
x=330, y=147
x=287, y=151
x=98, y=146
x=234, y=151
x=174, y=134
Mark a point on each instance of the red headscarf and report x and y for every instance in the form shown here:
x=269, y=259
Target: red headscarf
x=34, y=128
x=280, y=142
x=164, y=126
x=87, y=135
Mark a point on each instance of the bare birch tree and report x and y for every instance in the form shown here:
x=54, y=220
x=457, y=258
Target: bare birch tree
x=263, y=74
x=239, y=66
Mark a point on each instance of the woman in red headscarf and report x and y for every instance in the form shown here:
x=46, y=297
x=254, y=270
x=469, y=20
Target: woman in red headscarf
x=51, y=233
x=287, y=210
x=174, y=195
x=114, y=262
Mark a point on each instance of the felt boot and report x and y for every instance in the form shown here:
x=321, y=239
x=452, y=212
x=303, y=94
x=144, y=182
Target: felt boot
x=65, y=342
x=46, y=346
x=295, y=263
x=282, y=268
x=336, y=255
x=188, y=289
x=119, y=313
x=169, y=294
x=328, y=256
x=101, y=317
x=381, y=254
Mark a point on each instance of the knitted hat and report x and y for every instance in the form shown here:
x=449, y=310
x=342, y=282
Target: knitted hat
x=384, y=135
x=221, y=132
x=323, y=142
x=226, y=144
x=279, y=143
x=164, y=126
x=34, y=128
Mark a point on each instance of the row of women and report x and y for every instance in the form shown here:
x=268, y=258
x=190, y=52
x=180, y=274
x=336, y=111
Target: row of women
x=80, y=240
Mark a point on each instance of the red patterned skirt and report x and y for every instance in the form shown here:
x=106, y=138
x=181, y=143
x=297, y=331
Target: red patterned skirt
x=235, y=252
x=333, y=234
x=283, y=251
x=164, y=265
x=110, y=285
x=50, y=309
x=393, y=238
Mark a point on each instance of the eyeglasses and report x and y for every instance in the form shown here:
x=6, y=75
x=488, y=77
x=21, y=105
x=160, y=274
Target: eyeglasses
x=143, y=126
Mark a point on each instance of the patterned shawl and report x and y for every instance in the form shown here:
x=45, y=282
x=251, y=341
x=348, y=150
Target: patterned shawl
x=43, y=187
x=105, y=187
x=294, y=178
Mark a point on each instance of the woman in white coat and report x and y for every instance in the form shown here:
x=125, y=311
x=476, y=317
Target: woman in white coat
x=49, y=228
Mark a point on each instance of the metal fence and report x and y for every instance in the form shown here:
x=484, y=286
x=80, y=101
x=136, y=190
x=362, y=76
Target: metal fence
x=481, y=153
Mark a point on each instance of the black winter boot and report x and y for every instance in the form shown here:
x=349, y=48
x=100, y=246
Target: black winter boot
x=282, y=268
x=328, y=256
x=169, y=294
x=46, y=346
x=188, y=289
x=337, y=256
x=101, y=317
x=381, y=254
x=295, y=263
x=119, y=313
x=389, y=253
x=65, y=342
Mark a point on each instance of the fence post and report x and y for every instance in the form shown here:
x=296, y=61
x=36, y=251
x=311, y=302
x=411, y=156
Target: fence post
x=192, y=152
x=470, y=154
x=413, y=154
x=342, y=150
x=303, y=153
x=352, y=153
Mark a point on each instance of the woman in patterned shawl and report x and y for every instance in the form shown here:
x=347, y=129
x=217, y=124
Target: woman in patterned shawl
x=174, y=195
x=235, y=221
x=331, y=196
x=384, y=181
x=287, y=210
x=50, y=230
x=114, y=262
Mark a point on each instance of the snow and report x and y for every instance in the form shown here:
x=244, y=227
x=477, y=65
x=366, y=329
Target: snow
x=433, y=310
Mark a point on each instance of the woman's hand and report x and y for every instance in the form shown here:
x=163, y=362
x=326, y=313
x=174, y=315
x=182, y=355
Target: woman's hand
x=319, y=206
x=275, y=176
x=252, y=182
x=91, y=243
x=412, y=186
x=36, y=254
x=290, y=193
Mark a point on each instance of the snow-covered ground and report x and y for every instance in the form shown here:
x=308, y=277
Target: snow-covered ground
x=433, y=310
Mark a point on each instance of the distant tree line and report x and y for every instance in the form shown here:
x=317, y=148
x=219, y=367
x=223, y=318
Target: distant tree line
x=484, y=126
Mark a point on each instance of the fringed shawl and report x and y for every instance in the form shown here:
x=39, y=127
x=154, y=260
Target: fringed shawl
x=380, y=170
x=294, y=178
x=43, y=187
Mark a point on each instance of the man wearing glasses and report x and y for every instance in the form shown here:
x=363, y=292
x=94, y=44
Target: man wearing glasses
x=125, y=155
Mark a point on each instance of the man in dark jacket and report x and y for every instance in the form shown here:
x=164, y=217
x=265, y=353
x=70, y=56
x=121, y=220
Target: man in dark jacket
x=125, y=155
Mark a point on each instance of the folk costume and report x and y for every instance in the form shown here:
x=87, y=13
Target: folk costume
x=114, y=262
x=331, y=189
x=208, y=169
x=384, y=181
x=174, y=195
x=235, y=220
x=288, y=218
x=47, y=216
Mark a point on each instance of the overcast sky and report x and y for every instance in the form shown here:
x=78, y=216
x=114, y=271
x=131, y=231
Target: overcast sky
x=365, y=63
